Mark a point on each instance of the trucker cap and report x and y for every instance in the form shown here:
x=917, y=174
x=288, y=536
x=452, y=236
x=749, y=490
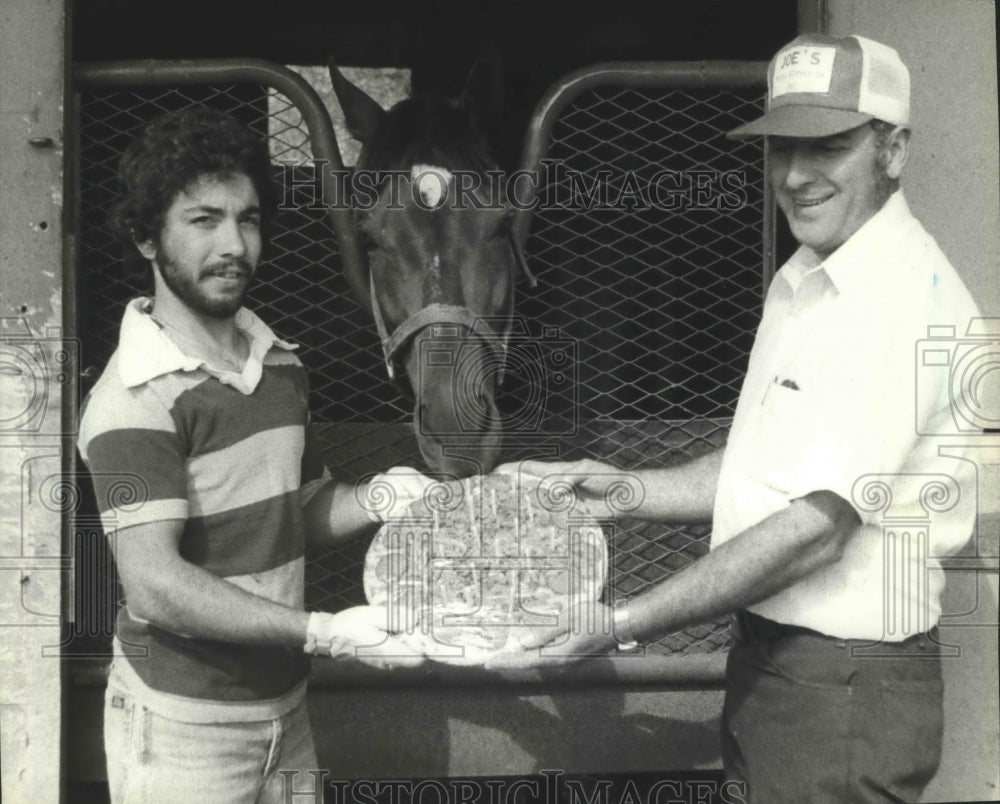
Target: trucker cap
x=820, y=85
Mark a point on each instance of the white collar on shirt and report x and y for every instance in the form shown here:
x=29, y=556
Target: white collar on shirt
x=850, y=266
x=145, y=351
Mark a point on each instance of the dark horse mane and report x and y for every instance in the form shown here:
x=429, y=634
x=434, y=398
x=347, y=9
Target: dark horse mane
x=428, y=130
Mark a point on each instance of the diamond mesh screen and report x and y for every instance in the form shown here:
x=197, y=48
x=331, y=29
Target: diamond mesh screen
x=647, y=242
x=657, y=305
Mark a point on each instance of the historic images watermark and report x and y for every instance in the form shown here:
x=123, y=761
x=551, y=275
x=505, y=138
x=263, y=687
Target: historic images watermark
x=549, y=787
x=554, y=186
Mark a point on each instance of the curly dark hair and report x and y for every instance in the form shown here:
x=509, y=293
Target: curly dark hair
x=171, y=153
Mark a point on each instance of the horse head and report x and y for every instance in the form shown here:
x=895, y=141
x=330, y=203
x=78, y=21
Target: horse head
x=432, y=216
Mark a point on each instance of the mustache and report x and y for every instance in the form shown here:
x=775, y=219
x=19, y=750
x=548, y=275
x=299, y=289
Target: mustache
x=240, y=264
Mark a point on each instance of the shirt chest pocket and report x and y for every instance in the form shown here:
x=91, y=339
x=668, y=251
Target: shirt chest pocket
x=779, y=438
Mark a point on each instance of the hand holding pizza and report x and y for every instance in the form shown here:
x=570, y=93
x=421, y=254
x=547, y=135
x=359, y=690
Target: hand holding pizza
x=586, y=632
x=391, y=493
x=359, y=633
x=621, y=492
x=482, y=563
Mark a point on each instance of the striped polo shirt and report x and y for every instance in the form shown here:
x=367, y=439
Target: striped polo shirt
x=168, y=437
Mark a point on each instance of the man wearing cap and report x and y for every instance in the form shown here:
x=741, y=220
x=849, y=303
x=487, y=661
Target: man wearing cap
x=834, y=682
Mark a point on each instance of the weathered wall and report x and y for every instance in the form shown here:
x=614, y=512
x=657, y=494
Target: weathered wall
x=951, y=182
x=32, y=381
x=951, y=178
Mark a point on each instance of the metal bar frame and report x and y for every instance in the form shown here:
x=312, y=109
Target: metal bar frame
x=665, y=75
x=322, y=139
x=633, y=671
x=813, y=16
x=638, y=75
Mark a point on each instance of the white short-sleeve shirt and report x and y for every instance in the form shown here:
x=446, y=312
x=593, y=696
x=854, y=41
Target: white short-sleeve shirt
x=837, y=398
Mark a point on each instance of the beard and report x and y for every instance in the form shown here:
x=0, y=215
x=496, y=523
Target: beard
x=189, y=291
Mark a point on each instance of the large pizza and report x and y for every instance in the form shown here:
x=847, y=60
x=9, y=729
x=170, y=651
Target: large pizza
x=471, y=566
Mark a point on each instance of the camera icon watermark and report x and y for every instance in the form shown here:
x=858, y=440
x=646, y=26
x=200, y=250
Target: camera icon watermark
x=529, y=383
x=32, y=370
x=969, y=367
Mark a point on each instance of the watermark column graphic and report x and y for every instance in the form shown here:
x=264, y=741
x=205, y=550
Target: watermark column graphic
x=399, y=579
x=615, y=494
x=420, y=565
x=94, y=603
x=957, y=409
x=969, y=364
x=907, y=552
x=42, y=500
x=36, y=373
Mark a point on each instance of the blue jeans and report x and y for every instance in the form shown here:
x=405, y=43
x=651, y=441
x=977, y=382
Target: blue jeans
x=812, y=718
x=152, y=758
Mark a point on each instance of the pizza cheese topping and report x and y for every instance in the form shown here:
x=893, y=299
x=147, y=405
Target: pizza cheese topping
x=475, y=561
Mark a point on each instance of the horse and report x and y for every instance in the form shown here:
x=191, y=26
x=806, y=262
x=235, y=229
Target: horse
x=434, y=221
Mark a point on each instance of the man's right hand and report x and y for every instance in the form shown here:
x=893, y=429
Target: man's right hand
x=359, y=633
x=390, y=494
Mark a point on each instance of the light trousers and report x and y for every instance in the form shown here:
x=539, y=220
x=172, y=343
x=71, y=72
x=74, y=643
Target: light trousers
x=153, y=759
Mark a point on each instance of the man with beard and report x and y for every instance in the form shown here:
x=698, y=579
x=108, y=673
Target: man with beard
x=831, y=501
x=203, y=410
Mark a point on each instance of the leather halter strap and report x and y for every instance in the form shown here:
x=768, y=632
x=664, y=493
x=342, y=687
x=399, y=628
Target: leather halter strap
x=447, y=314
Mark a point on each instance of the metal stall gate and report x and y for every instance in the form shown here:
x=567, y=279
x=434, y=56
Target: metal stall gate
x=649, y=234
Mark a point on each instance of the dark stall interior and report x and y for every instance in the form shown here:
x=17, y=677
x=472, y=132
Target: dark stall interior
x=438, y=40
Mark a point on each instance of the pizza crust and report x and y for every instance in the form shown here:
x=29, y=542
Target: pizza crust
x=477, y=563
